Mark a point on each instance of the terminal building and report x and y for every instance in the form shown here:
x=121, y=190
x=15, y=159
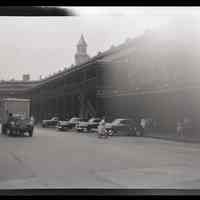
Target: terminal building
x=154, y=75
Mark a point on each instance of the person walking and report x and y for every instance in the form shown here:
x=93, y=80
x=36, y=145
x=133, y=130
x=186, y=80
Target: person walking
x=143, y=124
x=138, y=127
x=102, y=129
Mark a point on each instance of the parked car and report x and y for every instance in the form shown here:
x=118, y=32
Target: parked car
x=18, y=126
x=51, y=122
x=65, y=125
x=121, y=126
x=93, y=123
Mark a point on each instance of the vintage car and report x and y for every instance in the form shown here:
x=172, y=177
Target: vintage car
x=93, y=123
x=51, y=122
x=122, y=126
x=18, y=126
x=65, y=125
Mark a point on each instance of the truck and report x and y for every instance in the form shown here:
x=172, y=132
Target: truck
x=15, y=116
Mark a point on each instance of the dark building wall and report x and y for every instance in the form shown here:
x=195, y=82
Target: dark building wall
x=166, y=108
x=71, y=95
x=156, y=63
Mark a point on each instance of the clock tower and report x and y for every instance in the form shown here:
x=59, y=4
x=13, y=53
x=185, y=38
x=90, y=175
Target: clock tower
x=81, y=54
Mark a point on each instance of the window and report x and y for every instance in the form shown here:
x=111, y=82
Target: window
x=125, y=122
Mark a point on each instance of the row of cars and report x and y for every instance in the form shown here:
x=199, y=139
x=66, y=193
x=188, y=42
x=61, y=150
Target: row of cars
x=119, y=126
x=75, y=122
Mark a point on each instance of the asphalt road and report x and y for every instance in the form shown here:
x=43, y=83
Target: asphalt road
x=52, y=159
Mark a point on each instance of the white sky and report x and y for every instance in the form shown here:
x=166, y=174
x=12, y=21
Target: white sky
x=43, y=45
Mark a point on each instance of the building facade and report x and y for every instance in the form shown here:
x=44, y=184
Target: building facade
x=155, y=75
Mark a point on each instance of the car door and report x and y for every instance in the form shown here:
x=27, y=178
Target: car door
x=96, y=123
x=54, y=121
x=125, y=127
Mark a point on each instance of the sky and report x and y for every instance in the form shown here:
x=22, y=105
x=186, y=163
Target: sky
x=44, y=45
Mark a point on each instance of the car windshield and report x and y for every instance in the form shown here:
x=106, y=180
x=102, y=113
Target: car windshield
x=54, y=118
x=91, y=120
x=118, y=121
x=20, y=119
x=74, y=119
x=94, y=120
x=18, y=116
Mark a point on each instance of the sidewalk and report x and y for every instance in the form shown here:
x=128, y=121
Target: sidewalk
x=173, y=136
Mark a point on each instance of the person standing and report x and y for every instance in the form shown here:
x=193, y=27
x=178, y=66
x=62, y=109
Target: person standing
x=7, y=126
x=179, y=129
x=32, y=120
x=143, y=125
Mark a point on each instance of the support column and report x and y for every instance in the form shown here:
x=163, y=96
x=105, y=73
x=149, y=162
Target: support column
x=64, y=106
x=41, y=111
x=82, y=104
x=56, y=106
x=73, y=104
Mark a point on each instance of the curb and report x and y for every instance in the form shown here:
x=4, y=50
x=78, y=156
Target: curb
x=173, y=139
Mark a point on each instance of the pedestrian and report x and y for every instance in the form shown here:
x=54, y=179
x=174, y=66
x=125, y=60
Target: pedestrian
x=102, y=129
x=10, y=118
x=32, y=120
x=179, y=129
x=138, y=127
x=8, y=123
x=143, y=124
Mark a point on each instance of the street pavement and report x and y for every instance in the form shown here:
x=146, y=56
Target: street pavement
x=53, y=159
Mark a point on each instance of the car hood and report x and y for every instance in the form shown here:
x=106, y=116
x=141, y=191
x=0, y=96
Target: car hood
x=46, y=120
x=108, y=125
x=83, y=123
x=63, y=122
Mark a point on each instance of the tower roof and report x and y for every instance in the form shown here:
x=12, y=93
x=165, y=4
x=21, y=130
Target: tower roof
x=82, y=41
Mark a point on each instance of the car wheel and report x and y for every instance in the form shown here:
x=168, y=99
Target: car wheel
x=21, y=133
x=9, y=132
x=88, y=129
x=30, y=133
x=43, y=125
x=84, y=130
x=111, y=133
x=138, y=133
x=3, y=130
